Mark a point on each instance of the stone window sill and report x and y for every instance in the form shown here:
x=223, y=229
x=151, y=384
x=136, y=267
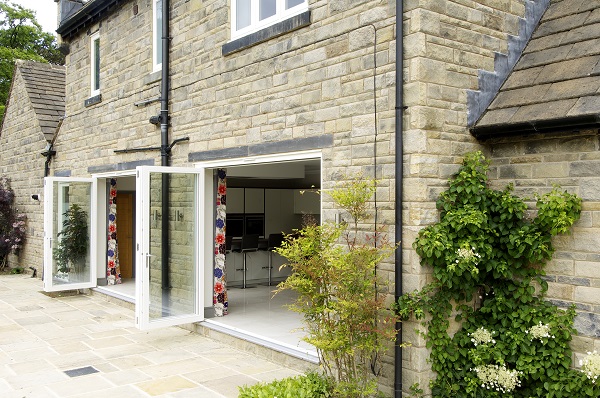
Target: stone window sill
x=96, y=99
x=290, y=24
x=153, y=77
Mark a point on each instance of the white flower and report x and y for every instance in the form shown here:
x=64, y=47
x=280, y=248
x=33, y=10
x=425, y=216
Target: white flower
x=482, y=336
x=590, y=365
x=539, y=331
x=498, y=378
x=467, y=254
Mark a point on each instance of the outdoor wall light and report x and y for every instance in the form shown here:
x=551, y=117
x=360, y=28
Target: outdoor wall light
x=156, y=120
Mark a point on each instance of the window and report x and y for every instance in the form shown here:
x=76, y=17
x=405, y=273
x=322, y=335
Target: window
x=157, y=36
x=95, y=63
x=249, y=16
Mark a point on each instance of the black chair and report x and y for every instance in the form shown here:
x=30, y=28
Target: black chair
x=249, y=244
x=273, y=243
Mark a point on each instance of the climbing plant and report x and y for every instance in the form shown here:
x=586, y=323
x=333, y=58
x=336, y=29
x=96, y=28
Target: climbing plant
x=334, y=272
x=487, y=256
x=12, y=224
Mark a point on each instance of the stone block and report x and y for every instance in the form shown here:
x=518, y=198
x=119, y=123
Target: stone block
x=361, y=38
x=587, y=269
x=590, y=295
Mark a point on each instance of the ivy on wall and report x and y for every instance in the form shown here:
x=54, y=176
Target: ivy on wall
x=487, y=258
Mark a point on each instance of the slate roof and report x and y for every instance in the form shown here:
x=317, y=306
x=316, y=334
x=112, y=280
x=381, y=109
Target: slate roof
x=555, y=85
x=45, y=86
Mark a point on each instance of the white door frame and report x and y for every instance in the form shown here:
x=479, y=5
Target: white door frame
x=142, y=316
x=209, y=197
x=49, y=286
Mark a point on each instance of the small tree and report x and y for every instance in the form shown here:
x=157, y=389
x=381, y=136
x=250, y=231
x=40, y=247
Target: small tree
x=73, y=244
x=22, y=37
x=12, y=224
x=334, y=273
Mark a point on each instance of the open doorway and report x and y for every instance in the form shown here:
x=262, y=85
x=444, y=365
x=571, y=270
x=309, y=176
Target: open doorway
x=116, y=273
x=265, y=198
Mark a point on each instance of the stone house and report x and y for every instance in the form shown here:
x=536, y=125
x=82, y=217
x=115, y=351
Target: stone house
x=33, y=112
x=261, y=99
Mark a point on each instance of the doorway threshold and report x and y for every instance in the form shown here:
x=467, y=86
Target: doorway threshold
x=121, y=292
x=287, y=349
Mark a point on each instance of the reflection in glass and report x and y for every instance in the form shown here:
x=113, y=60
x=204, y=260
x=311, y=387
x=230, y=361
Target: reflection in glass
x=172, y=282
x=97, y=64
x=292, y=3
x=158, y=37
x=242, y=14
x=266, y=8
x=70, y=233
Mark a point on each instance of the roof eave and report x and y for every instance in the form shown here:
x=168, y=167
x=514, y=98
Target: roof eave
x=89, y=14
x=579, y=122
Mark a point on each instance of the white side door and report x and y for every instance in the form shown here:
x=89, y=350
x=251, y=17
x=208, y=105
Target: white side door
x=169, y=288
x=69, y=233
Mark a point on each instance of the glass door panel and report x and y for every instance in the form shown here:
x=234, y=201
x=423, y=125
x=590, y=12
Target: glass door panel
x=68, y=234
x=168, y=248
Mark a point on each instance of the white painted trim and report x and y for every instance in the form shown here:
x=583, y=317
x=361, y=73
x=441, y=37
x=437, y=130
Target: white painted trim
x=281, y=14
x=275, y=158
x=142, y=300
x=48, y=228
x=156, y=63
x=114, y=174
x=93, y=91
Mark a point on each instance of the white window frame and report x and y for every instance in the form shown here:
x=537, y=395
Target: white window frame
x=281, y=14
x=156, y=62
x=93, y=66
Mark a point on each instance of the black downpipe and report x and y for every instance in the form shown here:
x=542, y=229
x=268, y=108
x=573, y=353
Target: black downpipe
x=164, y=156
x=399, y=169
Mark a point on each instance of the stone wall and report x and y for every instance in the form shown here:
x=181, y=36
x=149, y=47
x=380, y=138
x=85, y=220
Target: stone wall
x=328, y=86
x=571, y=160
x=21, y=143
x=447, y=45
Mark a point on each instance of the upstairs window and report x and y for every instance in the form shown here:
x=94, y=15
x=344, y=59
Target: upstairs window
x=249, y=16
x=157, y=47
x=95, y=63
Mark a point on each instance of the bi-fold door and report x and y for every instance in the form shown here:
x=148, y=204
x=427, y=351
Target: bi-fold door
x=169, y=282
x=169, y=273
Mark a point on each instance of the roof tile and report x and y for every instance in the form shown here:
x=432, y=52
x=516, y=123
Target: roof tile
x=518, y=97
x=561, y=24
x=557, y=77
x=543, y=111
x=45, y=85
x=586, y=105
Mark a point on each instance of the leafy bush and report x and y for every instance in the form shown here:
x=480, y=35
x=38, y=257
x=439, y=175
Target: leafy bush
x=311, y=385
x=73, y=244
x=334, y=272
x=12, y=224
x=487, y=258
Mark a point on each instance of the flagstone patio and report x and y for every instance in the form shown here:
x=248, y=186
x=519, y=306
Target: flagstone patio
x=68, y=345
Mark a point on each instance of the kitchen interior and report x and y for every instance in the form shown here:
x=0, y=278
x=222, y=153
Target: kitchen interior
x=266, y=201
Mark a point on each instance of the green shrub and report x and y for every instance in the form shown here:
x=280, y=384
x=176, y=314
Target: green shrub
x=311, y=385
x=487, y=258
x=334, y=272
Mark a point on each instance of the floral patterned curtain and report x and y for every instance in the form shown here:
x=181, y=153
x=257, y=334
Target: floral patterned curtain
x=113, y=271
x=220, y=281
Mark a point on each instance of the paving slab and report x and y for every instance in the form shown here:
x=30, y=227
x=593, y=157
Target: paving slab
x=84, y=346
